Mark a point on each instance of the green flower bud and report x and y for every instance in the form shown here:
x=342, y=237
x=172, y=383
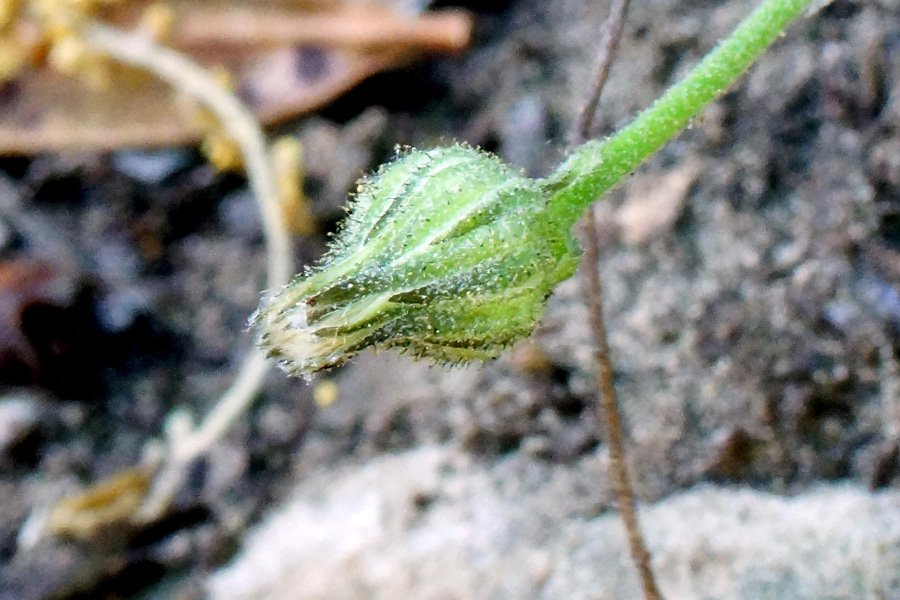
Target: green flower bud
x=447, y=254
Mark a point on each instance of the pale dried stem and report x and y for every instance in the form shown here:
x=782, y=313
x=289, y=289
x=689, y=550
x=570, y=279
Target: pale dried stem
x=185, y=442
x=608, y=411
x=607, y=407
x=610, y=34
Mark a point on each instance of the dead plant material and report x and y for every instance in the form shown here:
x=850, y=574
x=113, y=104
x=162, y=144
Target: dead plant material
x=286, y=59
x=607, y=405
x=105, y=507
x=654, y=204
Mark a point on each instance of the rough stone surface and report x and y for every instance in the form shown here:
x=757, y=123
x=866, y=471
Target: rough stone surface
x=433, y=523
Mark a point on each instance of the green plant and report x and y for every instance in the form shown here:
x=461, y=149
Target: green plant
x=450, y=255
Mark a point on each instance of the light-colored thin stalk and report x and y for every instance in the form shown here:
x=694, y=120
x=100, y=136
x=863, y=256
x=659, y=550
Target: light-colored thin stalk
x=197, y=82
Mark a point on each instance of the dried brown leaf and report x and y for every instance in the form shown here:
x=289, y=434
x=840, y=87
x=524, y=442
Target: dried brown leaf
x=287, y=58
x=654, y=204
x=101, y=509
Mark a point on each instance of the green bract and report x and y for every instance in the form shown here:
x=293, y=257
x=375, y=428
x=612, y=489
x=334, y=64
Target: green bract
x=447, y=254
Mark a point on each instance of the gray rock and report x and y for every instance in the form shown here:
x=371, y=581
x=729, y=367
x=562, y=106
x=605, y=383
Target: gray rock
x=433, y=524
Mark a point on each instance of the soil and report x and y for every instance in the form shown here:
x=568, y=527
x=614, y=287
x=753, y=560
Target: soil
x=755, y=327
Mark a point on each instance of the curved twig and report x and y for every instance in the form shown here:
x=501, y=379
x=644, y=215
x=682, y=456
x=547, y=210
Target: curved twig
x=185, y=442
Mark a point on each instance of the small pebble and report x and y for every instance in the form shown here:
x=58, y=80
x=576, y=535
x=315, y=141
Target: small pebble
x=19, y=415
x=119, y=309
x=882, y=296
x=149, y=167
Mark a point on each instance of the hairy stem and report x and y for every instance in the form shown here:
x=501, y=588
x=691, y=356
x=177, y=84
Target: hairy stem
x=597, y=166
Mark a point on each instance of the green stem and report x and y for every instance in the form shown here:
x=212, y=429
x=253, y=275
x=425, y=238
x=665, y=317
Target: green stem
x=597, y=166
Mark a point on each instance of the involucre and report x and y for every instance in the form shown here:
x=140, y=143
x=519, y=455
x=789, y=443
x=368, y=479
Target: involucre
x=447, y=254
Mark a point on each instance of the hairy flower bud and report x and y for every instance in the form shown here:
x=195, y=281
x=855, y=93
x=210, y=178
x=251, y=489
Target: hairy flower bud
x=447, y=254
